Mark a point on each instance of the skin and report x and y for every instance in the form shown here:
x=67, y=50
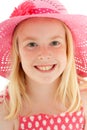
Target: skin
x=38, y=49
x=43, y=52
x=42, y=44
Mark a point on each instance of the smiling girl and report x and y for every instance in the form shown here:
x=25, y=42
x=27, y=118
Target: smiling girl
x=43, y=92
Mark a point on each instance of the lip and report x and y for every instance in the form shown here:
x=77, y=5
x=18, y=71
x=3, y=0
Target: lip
x=45, y=68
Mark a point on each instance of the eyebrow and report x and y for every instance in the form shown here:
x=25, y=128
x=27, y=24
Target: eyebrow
x=57, y=36
x=31, y=38
x=34, y=38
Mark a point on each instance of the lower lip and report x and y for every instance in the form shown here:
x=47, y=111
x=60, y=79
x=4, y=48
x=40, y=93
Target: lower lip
x=44, y=71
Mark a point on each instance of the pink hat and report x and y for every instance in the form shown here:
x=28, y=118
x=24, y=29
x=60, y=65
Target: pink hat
x=51, y=9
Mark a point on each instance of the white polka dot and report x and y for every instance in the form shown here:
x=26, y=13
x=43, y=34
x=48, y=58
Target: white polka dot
x=51, y=121
x=39, y=117
x=77, y=125
x=24, y=119
x=66, y=119
x=79, y=113
x=63, y=127
x=70, y=126
x=62, y=114
x=37, y=124
x=55, y=127
x=41, y=128
x=48, y=128
x=22, y=126
x=74, y=119
x=80, y=120
x=44, y=122
x=46, y=116
x=70, y=114
x=29, y=125
x=32, y=118
x=59, y=120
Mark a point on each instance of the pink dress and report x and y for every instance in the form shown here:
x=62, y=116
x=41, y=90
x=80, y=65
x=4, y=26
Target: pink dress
x=63, y=121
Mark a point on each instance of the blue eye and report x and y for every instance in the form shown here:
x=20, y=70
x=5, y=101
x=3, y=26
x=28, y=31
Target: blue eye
x=32, y=44
x=55, y=43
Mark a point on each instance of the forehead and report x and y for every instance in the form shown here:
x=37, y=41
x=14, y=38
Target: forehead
x=32, y=22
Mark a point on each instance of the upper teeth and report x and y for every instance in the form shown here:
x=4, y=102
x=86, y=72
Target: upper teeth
x=44, y=67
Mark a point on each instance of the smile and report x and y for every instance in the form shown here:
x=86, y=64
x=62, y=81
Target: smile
x=45, y=68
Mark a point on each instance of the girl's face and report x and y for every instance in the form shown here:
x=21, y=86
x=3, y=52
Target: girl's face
x=42, y=49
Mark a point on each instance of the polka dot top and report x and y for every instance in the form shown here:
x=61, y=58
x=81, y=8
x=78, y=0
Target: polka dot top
x=63, y=121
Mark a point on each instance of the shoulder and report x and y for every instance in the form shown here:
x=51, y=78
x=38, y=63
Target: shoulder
x=3, y=95
x=84, y=99
x=84, y=102
x=83, y=92
x=4, y=124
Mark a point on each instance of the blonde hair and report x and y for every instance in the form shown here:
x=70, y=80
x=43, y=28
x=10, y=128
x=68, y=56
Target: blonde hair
x=68, y=89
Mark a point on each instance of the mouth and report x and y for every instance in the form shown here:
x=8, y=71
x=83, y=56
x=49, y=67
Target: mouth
x=45, y=68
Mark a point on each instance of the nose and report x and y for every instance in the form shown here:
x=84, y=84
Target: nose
x=45, y=54
x=44, y=57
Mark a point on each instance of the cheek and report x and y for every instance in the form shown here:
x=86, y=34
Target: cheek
x=60, y=52
x=61, y=56
x=26, y=55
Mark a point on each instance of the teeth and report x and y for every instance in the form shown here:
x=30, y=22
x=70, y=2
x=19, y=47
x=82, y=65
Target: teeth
x=44, y=68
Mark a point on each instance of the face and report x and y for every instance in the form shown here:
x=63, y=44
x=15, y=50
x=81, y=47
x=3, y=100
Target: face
x=42, y=49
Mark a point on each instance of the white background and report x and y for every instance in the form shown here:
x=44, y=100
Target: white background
x=73, y=6
x=6, y=7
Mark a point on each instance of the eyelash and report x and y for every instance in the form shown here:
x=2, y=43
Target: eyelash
x=53, y=43
x=32, y=44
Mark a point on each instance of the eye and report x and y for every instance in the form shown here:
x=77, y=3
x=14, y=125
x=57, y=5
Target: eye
x=55, y=43
x=32, y=44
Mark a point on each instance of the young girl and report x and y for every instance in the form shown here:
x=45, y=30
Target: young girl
x=42, y=50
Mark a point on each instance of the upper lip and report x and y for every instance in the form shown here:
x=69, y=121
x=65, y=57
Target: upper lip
x=44, y=65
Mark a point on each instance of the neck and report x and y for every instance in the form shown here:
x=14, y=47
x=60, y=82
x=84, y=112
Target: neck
x=42, y=98
x=42, y=92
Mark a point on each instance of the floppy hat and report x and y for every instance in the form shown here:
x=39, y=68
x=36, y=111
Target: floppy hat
x=51, y=9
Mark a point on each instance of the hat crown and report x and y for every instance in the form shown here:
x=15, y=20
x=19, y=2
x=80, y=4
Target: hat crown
x=42, y=6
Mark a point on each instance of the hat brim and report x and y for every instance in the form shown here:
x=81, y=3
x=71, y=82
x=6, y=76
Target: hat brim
x=76, y=23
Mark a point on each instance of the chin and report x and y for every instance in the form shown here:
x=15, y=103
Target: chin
x=47, y=81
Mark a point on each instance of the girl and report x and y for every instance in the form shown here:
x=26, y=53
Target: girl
x=43, y=93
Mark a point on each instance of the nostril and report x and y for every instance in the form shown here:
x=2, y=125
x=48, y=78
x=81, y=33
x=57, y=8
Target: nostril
x=48, y=57
x=41, y=57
